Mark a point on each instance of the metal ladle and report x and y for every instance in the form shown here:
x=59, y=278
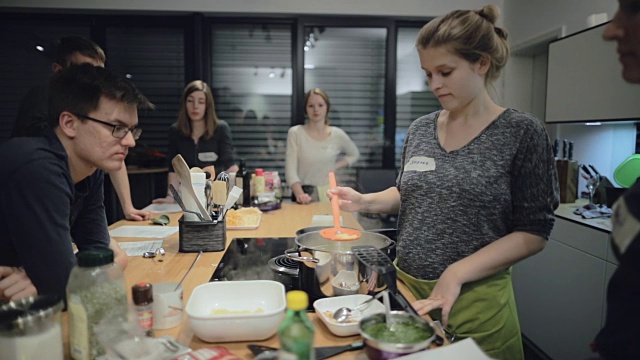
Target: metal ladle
x=343, y=313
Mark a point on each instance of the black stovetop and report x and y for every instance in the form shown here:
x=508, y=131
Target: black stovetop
x=248, y=258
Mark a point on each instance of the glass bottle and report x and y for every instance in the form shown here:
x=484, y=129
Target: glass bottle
x=142, y=295
x=243, y=181
x=95, y=290
x=296, y=331
x=259, y=181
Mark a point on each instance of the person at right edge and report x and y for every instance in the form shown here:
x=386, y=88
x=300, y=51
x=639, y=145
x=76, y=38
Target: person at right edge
x=618, y=339
x=476, y=191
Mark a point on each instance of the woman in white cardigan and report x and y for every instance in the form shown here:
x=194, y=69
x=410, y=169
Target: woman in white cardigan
x=316, y=148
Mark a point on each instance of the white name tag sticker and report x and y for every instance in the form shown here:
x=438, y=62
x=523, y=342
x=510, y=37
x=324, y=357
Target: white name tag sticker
x=207, y=156
x=420, y=163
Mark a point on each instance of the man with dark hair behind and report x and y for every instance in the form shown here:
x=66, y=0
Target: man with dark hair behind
x=53, y=185
x=618, y=339
x=32, y=113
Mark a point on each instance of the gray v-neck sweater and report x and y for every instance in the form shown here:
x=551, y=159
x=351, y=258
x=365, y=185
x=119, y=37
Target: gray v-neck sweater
x=454, y=203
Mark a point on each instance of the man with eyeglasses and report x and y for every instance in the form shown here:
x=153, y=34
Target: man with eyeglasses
x=52, y=186
x=32, y=113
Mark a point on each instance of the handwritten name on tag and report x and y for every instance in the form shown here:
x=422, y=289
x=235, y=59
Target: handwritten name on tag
x=420, y=163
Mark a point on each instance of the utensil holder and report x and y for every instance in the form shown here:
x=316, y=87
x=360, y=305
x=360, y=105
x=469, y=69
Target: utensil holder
x=567, y=180
x=206, y=236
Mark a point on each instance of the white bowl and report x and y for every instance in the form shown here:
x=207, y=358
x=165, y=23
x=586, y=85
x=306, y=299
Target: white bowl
x=327, y=306
x=349, y=277
x=226, y=311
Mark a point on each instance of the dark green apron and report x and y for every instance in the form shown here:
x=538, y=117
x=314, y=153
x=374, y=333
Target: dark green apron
x=485, y=311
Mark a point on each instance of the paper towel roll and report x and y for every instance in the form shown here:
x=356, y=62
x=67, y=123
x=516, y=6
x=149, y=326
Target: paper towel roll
x=198, y=181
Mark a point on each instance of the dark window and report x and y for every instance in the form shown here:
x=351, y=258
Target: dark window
x=22, y=65
x=153, y=57
x=349, y=64
x=252, y=82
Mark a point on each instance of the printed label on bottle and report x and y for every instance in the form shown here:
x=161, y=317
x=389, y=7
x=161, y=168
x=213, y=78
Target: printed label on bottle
x=239, y=184
x=145, y=318
x=78, y=329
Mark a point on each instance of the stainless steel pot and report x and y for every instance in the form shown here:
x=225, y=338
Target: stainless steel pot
x=324, y=264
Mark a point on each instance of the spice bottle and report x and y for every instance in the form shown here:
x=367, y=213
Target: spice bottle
x=259, y=181
x=142, y=295
x=95, y=291
x=296, y=331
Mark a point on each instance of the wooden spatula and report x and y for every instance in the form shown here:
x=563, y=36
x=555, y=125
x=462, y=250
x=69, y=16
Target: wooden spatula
x=219, y=192
x=181, y=168
x=337, y=232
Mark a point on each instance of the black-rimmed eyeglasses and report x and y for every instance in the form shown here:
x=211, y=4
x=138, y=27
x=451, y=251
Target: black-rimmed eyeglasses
x=118, y=131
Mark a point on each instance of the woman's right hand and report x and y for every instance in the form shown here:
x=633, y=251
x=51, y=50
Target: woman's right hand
x=303, y=198
x=164, y=200
x=350, y=200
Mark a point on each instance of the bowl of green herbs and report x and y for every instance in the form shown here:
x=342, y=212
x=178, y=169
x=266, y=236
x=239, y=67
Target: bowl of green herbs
x=403, y=334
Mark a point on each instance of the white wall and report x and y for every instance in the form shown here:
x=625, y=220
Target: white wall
x=420, y=8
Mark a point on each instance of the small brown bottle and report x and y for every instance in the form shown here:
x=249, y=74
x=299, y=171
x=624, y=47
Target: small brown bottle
x=142, y=294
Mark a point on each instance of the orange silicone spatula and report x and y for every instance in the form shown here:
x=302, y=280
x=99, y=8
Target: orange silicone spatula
x=337, y=232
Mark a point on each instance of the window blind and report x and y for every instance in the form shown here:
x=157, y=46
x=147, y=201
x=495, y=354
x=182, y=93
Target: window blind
x=22, y=65
x=252, y=82
x=153, y=58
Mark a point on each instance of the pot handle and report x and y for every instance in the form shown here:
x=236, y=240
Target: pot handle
x=293, y=254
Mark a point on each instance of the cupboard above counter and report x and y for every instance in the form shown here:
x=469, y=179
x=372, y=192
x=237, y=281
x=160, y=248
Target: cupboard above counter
x=584, y=82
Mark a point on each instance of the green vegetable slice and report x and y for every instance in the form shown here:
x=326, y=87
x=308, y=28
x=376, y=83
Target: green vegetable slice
x=162, y=220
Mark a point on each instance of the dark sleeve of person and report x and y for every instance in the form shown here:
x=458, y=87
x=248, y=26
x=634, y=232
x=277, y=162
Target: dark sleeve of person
x=618, y=338
x=37, y=204
x=172, y=150
x=32, y=113
x=534, y=183
x=223, y=135
x=90, y=229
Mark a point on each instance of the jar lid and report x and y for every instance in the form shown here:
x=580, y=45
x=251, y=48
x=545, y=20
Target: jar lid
x=28, y=312
x=94, y=257
x=142, y=293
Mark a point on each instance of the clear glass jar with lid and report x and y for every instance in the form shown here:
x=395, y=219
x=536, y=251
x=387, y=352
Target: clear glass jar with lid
x=95, y=290
x=30, y=328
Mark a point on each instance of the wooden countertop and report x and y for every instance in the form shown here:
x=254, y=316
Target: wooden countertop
x=279, y=223
x=565, y=211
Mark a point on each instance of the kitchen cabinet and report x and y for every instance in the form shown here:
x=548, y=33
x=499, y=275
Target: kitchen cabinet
x=560, y=292
x=584, y=82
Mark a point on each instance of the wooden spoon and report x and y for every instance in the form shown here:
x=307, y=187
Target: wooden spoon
x=337, y=232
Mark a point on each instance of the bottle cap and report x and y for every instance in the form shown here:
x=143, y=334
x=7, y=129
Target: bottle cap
x=259, y=172
x=142, y=293
x=94, y=257
x=297, y=300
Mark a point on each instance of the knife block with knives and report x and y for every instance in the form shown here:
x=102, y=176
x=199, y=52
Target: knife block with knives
x=568, y=172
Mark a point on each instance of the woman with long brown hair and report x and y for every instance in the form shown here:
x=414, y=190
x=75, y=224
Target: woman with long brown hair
x=199, y=135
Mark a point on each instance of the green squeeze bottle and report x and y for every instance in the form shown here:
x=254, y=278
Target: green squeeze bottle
x=296, y=331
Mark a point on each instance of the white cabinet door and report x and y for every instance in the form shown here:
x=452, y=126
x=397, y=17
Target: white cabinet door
x=560, y=294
